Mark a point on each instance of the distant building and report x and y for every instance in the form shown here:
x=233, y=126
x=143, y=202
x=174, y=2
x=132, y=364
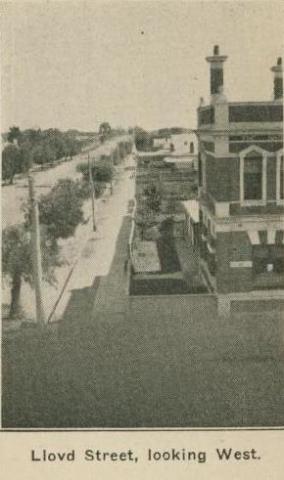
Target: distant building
x=241, y=192
x=183, y=143
x=174, y=176
x=161, y=142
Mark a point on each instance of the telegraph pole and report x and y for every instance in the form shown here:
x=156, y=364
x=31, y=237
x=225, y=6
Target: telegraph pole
x=93, y=193
x=36, y=254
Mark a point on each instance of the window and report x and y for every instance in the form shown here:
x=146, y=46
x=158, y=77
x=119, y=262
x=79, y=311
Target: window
x=281, y=175
x=253, y=163
x=280, y=178
x=253, y=178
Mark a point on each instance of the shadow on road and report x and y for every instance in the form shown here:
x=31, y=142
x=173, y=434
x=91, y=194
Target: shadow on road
x=80, y=306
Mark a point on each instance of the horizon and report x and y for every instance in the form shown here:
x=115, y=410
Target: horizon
x=76, y=65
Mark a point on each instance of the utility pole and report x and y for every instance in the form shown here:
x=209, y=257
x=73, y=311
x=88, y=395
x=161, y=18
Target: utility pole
x=93, y=193
x=36, y=253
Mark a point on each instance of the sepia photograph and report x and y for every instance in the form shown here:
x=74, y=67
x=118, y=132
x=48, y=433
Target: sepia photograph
x=142, y=215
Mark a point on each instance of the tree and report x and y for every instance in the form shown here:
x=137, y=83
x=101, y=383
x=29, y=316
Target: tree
x=72, y=146
x=17, y=261
x=60, y=210
x=143, y=140
x=105, y=128
x=145, y=220
x=10, y=163
x=101, y=175
x=32, y=135
x=41, y=147
x=16, y=160
x=100, y=172
x=25, y=156
x=104, y=131
x=43, y=153
x=14, y=134
x=53, y=141
x=153, y=198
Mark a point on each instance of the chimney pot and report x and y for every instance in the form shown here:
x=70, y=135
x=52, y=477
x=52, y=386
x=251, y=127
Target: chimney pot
x=216, y=50
x=278, y=79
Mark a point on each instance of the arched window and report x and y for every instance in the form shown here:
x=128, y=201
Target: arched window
x=253, y=177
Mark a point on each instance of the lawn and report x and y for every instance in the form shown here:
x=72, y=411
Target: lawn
x=168, y=255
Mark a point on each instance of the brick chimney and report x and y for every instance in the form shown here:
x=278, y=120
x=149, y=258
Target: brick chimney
x=216, y=71
x=278, y=79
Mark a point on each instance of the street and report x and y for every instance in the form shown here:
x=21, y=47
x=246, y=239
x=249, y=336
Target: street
x=94, y=249
x=13, y=196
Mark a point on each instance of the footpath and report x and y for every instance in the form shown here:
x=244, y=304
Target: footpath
x=102, y=256
x=111, y=297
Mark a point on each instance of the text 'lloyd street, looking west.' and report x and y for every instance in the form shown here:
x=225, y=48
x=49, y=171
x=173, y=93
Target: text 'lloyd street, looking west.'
x=171, y=455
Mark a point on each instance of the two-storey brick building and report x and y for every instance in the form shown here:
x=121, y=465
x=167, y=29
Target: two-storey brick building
x=241, y=192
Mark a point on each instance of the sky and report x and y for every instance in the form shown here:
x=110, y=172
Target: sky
x=76, y=64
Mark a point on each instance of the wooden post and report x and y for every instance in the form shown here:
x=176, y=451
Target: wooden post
x=36, y=254
x=93, y=193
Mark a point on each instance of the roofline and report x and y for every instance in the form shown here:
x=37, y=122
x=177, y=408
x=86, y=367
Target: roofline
x=257, y=102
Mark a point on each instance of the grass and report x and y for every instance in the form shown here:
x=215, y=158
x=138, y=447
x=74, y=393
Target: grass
x=168, y=255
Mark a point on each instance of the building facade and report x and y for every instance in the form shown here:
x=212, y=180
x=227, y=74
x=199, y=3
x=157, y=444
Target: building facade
x=241, y=192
